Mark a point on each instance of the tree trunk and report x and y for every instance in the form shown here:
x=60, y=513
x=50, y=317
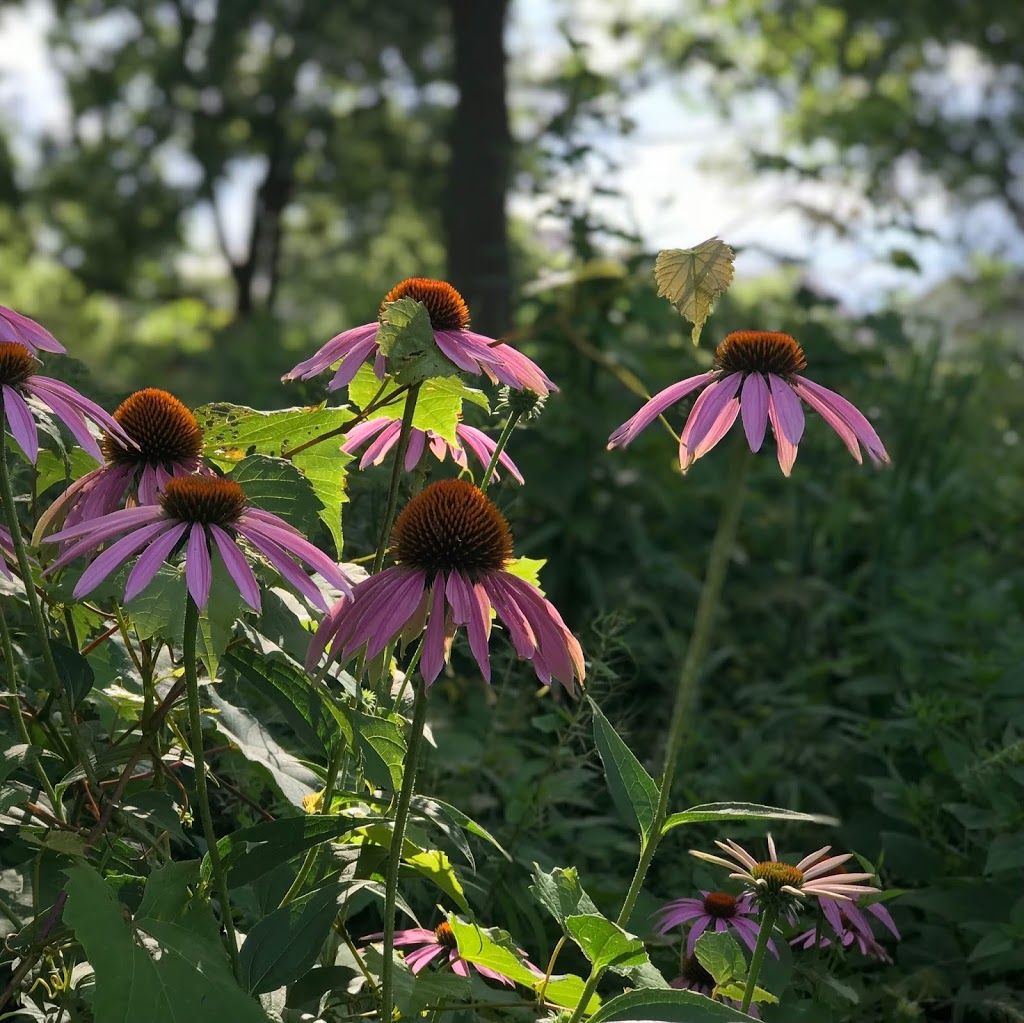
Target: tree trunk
x=476, y=230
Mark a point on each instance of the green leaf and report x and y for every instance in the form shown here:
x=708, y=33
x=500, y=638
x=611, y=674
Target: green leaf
x=605, y=944
x=233, y=432
x=383, y=747
x=692, y=279
x=721, y=957
x=326, y=468
x=286, y=943
x=666, y=1007
x=492, y=948
x=278, y=487
x=633, y=790
x=51, y=468
x=438, y=406
x=251, y=852
x=424, y=806
x=566, y=990
x=406, y=338
x=186, y=976
x=737, y=991
x=561, y=894
x=741, y=812
x=435, y=865
x=1005, y=853
x=217, y=619
x=75, y=672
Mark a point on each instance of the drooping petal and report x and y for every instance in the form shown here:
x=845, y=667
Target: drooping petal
x=414, y=449
x=518, y=371
x=403, y=599
x=16, y=327
x=238, y=567
x=361, y=433
x=151, y=559
x=326, y=631
x=787, y=450
x=467, y=610
x=22, y=423
x=715, y=404
x=333, y=351
x=483, y=447
x=68, y=414
x=754, y=403
x=834, y=408
x=432, y=658
x=198, y=570
x=120, y=521
x=650, y=411
x=422, y=956
x=289, y=571
x=378, y=450
x=696, y=930
x=301, y=548
x=86, y=407
x=511, y=615
x=879, y=911
x=116, y=555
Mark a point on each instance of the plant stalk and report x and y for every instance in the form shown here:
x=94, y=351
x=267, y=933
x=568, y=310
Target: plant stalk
x=396, y=475
x=195, y=718
x=768, y=918
x=419, y=716
x=513, y=418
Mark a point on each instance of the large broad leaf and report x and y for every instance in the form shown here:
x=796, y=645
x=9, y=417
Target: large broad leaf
x=666, y=1007
x=75, y=672
x=181, y=974
x=561, y=894
x=382, y=744
x=438, y=406
x=741, y=812
x=286, y=943
x=633, y=790
x=719, y=954
x=691, y=279
x=605, y=944
x=444, y=814
x=326, y=467
x=277, y=486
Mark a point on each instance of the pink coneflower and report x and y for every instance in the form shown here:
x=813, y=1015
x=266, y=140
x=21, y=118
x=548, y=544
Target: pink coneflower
x=471, y=352
x=6, y=552
x=712, y=908
x=441, y=942
x=387, y=431
x=23, y=331
x=757, y=374
x=849, y=924
x=771, y=881
x=452, y=546
x=693, y=977
x=200, y=512
x=19, y=381
x=169, y=443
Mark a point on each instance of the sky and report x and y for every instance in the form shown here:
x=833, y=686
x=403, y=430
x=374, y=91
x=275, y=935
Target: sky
x=676, y=188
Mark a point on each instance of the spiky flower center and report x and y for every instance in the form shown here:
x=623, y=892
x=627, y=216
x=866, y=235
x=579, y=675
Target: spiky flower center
x=760, y=351
x=720, y=905
x=207, y=500
x=162, y=426
x=452, y=526
x=445, y=935
x=17, y=363
x=443, y=303
x=776, y=874
x=693, y=973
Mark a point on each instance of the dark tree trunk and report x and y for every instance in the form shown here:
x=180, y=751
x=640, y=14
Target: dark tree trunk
x=476, y=230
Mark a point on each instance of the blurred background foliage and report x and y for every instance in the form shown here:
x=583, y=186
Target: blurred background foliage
x=234, y=183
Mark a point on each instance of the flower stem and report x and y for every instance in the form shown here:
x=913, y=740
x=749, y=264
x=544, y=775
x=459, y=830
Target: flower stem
x=396, y=475
x=510, y=425
x=25, y=566
x=763, y=937
x=419, y=715
x=195, y=721
x=19, y=717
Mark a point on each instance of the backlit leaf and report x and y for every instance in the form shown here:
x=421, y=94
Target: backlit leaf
x=692, y=279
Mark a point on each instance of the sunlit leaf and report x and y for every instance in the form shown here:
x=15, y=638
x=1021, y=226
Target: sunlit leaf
x=606, y=944
x=741, y=812
x=692, y=279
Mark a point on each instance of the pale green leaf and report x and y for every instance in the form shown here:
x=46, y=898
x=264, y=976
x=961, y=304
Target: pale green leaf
x=741, y=812
x=736, y=991
x=406, y=338
x=692, y=279
x=561, y=893
x=326, y=467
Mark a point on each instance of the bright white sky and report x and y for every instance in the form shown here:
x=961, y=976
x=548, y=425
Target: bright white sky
x=675, y=190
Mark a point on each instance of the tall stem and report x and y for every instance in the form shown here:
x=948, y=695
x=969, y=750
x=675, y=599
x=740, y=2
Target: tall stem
x=419, y=715
x=25, y=567
x=513, y=418
x=768, y=918
x=396, y=475
x=195, y=723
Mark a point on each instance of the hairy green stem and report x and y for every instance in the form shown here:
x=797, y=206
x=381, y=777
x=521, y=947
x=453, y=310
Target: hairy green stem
x=768, y=918
x=195, y=720
x=513, y=418
x=396, y=475
x=19, y=717
x=25, y=567
x=419, y=715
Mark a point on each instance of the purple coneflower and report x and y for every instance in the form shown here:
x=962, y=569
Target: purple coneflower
x=169, y=443
x=718, y=908
x=771, y=881
x=6, y=552
x=693, y=977
x=757, y=375
x=387, y=431
x=471, y=352
x=19, y=381
x=18, y=328
x=452, y=546
x=441, y=942
x=850, y=924
x=200, y=512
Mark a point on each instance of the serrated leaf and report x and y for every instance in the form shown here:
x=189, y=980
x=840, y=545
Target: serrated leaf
x=406, y=338
x=527, y=569
x=186, y=976
x=277, y=486
x=634, y=792
x=605, y=944
x=493, y=948
x=692, y=279
x=382, y=745
x=666, y=1007
x=741, y=812
x=719, y=954
x=561, y=893
x=326, y=467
